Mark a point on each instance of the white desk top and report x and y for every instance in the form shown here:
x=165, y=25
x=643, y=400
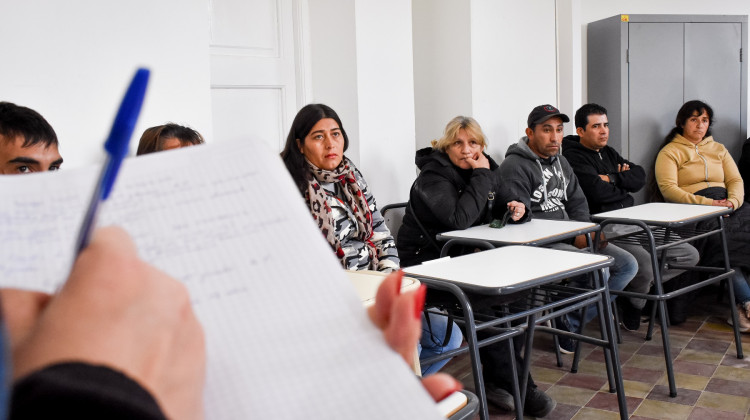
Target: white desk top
x=533, y=231
x=367, y=282
x=663, y=212
x=508, y=269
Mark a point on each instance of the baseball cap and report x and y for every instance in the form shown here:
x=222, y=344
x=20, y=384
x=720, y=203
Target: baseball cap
x=542, y=113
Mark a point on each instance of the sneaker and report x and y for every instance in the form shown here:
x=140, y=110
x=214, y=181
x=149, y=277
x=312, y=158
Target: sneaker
x=537, y=403
x=567, y=344
x=631, y=316
x=499, y=397
x=742, y=317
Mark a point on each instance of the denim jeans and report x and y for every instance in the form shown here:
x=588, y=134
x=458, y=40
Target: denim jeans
x=617, y=277
x=433, y=336
x=684, y=254
x=741, y=288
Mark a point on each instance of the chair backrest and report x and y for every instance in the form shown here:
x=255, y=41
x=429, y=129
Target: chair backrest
x=394, y=216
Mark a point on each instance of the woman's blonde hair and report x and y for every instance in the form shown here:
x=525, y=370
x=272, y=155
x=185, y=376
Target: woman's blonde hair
x=451, y=132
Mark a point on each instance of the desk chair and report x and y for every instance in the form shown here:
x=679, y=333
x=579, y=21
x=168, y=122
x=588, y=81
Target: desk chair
x=466, y=410
x=394, y=216
x=664, y=225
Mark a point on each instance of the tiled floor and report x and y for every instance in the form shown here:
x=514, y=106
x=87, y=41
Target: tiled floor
x=711, y=382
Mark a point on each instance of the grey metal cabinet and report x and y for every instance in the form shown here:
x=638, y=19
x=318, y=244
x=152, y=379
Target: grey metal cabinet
x=642, y=68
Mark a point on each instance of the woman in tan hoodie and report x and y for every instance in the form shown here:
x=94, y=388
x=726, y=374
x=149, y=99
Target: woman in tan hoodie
x=692, y=168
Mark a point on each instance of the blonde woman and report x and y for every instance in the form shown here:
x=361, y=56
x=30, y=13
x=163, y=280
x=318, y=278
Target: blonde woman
x=456, y=189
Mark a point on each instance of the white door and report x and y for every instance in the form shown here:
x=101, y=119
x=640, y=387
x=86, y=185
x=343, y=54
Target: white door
x=253, y=78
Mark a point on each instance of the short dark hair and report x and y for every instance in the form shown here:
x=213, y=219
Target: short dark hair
x=20, y=121
x=305, y=120
x=582, y=115
x=152, y=140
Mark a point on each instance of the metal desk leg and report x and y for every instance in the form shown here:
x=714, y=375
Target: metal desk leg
x=608, y=331
x=528, y=347
x=518, y=392
x=471, y=340
x=606, y=334
x=661, y=306
x=735, y=323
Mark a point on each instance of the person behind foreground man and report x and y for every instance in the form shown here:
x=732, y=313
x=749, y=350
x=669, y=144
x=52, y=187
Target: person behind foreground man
x=27, y=141
x=693, y=168
x=535, y=172
x=167, y=137
x=121, y=341
x=743, y=164
x=345, y=211
x=456, y=189
x=607, y=179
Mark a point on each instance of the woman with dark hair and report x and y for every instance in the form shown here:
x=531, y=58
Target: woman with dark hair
x=166, y=137
x=345, y=210
x=692, y=168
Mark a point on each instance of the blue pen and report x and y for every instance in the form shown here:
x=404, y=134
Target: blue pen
x=116, y=147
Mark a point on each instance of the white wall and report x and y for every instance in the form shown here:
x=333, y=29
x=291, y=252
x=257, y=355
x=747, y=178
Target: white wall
x=442, y=65
x=72, y=60
x=569, y=61
x=513, y=66
x=385, y=80
x=333, y=60
x=361, y=61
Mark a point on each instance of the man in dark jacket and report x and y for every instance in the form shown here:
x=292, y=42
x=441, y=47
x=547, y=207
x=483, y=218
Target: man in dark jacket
x=542, y=178
x=607, y=179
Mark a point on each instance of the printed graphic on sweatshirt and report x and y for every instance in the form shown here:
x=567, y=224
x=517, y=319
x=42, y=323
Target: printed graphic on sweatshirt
x=553, y=201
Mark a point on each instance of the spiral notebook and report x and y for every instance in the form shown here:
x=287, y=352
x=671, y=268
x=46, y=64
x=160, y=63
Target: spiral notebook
x=287, y=336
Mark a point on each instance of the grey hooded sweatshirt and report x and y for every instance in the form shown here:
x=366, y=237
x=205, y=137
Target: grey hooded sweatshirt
x=548, y=187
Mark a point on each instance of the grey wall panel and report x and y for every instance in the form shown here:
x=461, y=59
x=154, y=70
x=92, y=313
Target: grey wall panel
x=713, y=73
x=607, y=75
x=655, y=88
x=664, y=61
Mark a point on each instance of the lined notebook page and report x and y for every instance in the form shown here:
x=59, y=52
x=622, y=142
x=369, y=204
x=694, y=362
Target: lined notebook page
x=286, y=335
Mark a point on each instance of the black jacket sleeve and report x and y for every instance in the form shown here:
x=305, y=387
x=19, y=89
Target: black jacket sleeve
x=81, y=391
x=453, y=208
x=599, y=190
x=631, y=180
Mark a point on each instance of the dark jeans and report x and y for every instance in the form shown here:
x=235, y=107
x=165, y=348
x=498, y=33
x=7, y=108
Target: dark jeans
x=496, y=365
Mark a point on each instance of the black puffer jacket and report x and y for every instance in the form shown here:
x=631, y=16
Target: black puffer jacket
x=445, y=197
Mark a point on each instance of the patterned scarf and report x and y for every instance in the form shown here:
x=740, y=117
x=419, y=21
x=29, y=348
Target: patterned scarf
x=316, y=198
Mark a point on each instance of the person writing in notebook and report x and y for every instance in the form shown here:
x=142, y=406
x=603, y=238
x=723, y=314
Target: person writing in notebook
x=167, y=137
x=27, y=141
x=345, y=211
x=120, y=340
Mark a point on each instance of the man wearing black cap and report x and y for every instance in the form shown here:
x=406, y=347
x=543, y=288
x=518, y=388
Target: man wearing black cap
x=536, y=174
x=535, y=171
